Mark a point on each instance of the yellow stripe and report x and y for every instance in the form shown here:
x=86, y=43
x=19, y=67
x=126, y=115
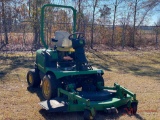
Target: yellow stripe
x=65, y=49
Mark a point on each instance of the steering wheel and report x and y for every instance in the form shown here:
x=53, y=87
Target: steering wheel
x=79, y=35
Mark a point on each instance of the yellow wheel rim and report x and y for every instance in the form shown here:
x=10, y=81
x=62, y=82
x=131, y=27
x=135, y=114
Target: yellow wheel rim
x=46, y=87
x=30, y=79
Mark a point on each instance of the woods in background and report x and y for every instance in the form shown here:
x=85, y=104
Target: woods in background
x=110, y=22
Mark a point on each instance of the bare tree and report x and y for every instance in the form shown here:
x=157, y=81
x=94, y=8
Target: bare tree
x=104, y=20
x=134, y=24
x=141, y=10
x=34, y=6
x=157, y=31
x=4, y=21
x=134, y=6
x=124, y=27
x=79, y=14
x=95, y=3
x=96, y=26
x=152, y=4
x=124, y=21
x=113, y=26
x=104, y=14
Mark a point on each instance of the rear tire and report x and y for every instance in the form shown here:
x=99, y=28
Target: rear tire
x=33, y=78
x=50, y=86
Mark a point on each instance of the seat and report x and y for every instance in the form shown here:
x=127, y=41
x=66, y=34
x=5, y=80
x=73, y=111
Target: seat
x=63, y=41
x=64, y=48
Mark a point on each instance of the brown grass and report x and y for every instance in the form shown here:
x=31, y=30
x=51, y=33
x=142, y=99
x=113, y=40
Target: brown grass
x=138, y=71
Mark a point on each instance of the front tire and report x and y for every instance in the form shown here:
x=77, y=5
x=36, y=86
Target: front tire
x=50, y=86
x=33, y=78
x=99, y=78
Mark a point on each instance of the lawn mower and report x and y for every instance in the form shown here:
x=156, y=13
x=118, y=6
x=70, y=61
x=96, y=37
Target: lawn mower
x=69, y=82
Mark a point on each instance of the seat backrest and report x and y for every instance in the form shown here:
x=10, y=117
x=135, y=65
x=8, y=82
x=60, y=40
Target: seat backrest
x=63, y=41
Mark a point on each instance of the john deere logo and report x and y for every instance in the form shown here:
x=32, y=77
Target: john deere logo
x=81, y=41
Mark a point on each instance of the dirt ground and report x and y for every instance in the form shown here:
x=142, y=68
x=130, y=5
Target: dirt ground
x=137, y=71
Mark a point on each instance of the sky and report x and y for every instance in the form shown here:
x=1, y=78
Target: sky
x=154, y=19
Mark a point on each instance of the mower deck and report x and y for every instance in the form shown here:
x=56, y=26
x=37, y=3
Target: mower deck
x=97, y=96
x=98, y=100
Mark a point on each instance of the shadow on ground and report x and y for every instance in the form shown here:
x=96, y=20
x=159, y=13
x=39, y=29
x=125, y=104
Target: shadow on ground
x=38, y=91
x=117, y=62
x=9, y=63
x=105, y=61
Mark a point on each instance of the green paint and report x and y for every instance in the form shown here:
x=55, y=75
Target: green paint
x=60, y=74
x=83, y=104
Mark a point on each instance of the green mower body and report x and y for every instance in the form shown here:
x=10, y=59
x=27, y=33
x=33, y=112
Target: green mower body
x=46, y=62
x=73, y=84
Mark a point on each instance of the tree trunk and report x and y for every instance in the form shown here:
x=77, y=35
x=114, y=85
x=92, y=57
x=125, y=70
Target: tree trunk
x=4, y=22
x=113, y=27
x=79, y=15
x=36, y=25
x=156, y=36
x=123, y=35
x=134, y=25
x=92, y=26
x=29, y=8
x=24, y=36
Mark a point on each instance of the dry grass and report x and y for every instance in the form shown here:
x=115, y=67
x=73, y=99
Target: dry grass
x=138, y=71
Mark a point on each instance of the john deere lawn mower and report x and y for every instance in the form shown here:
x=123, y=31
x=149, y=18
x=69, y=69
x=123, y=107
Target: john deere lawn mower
x=69, y=82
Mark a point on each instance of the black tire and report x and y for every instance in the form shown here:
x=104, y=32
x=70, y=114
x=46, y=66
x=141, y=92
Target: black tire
x=50, y=86
x=134, y=107
x=99, y=78
x=87, y=115
x=33, y=78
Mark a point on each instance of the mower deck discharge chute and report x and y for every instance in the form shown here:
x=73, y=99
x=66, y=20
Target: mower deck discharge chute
x=69, y=82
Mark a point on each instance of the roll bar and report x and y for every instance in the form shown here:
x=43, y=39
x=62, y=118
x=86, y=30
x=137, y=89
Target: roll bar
x=42, y=20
